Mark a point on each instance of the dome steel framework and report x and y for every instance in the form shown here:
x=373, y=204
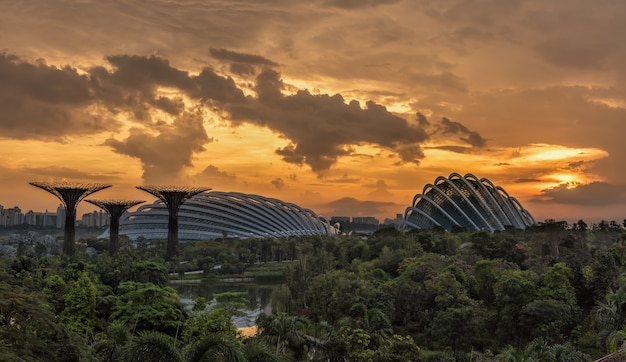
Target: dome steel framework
x=215, y=214
x=466, y=202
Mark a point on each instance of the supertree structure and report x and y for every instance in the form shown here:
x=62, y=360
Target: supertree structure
x=70, y=195
x=115, y=209
x=173, y=197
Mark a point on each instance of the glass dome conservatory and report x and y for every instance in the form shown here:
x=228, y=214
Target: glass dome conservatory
x=465, y=202
x=211, y=215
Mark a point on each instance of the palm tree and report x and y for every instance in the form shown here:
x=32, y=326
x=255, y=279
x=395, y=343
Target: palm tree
x=110, y=346
x=159, y=347
x=372, y=320
x=214, y=348
x=611, y=315
x=285, y=332
x=257, y=350
x=538, y=350
x=509, y=354
x=152, y=346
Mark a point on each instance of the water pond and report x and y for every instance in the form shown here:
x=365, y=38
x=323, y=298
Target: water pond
x=259, y=296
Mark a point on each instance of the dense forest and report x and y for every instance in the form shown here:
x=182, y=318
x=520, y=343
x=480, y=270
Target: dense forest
x=553, y=292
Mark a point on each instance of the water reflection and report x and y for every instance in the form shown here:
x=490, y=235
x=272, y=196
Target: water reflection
x=259, y=297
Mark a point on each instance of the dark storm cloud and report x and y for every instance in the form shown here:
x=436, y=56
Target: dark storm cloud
x=231, y=56
x=133, y=85
x=211, y=173
x=165, y=156
x=45, y=102
x=575, y=53
x=593, y=194
x=448, y=127
x=278, y=183
x=343, y=180
x=348, y=205
x=578, y=35
x=455, y=149
x=526, y=180
x=322, y=128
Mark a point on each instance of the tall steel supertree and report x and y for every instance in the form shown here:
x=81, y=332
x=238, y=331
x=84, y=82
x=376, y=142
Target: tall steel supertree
x=173, y=197
x=70, y=194
x=115, y=209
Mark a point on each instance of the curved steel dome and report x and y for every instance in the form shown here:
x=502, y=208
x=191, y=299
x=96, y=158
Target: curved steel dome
x=466, y=202
x=215, y=214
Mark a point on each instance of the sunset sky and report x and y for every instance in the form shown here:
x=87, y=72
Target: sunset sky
x=346, y=107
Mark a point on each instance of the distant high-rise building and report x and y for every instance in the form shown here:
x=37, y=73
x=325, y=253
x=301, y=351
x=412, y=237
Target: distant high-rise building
x=44, y=219
x=95, y=219
x=11, y=216
x=60, y=221
x=365, y=220
x=342, y=220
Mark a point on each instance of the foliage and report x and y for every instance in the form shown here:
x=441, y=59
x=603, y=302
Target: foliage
x=79, y=314
x=145, y=306
x=551, y=292
x=215, y=321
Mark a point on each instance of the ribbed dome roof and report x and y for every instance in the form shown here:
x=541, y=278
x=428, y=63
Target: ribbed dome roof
x=466, y=202
x=214, y=214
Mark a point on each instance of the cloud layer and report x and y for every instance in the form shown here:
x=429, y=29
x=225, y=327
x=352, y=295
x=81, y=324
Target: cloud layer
x=393, y=90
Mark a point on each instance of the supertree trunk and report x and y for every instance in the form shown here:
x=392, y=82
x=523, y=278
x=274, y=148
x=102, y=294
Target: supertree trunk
x=173, y=197
x=69, y=234
x=172, y=236
x=115, y=209
x=114, y=236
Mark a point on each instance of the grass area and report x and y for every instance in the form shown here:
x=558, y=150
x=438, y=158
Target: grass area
x=267, y=271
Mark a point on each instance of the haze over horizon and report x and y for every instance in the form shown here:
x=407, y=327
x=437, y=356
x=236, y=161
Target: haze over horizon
x=345, y=107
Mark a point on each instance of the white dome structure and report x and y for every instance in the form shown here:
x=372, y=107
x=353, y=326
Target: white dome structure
x=212, y=215
x=468, y=203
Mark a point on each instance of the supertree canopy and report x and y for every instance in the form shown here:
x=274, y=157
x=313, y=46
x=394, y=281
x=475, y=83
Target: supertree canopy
x=70, y=195
x=173, y=196
x=115, y=209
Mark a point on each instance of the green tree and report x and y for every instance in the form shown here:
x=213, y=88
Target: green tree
x=80, y=306
x=213, y=348
x=29, y=329
x=257, y=350
x=332, y=294
x=610, y=316
x=286, y=333
x=55, y=290
x=145, y=306
x=109, y=346
x=212, y=322
x=513, y=291
x=152, y=346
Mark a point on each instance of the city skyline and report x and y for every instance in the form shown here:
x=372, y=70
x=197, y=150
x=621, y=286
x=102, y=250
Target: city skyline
x=347, y=108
